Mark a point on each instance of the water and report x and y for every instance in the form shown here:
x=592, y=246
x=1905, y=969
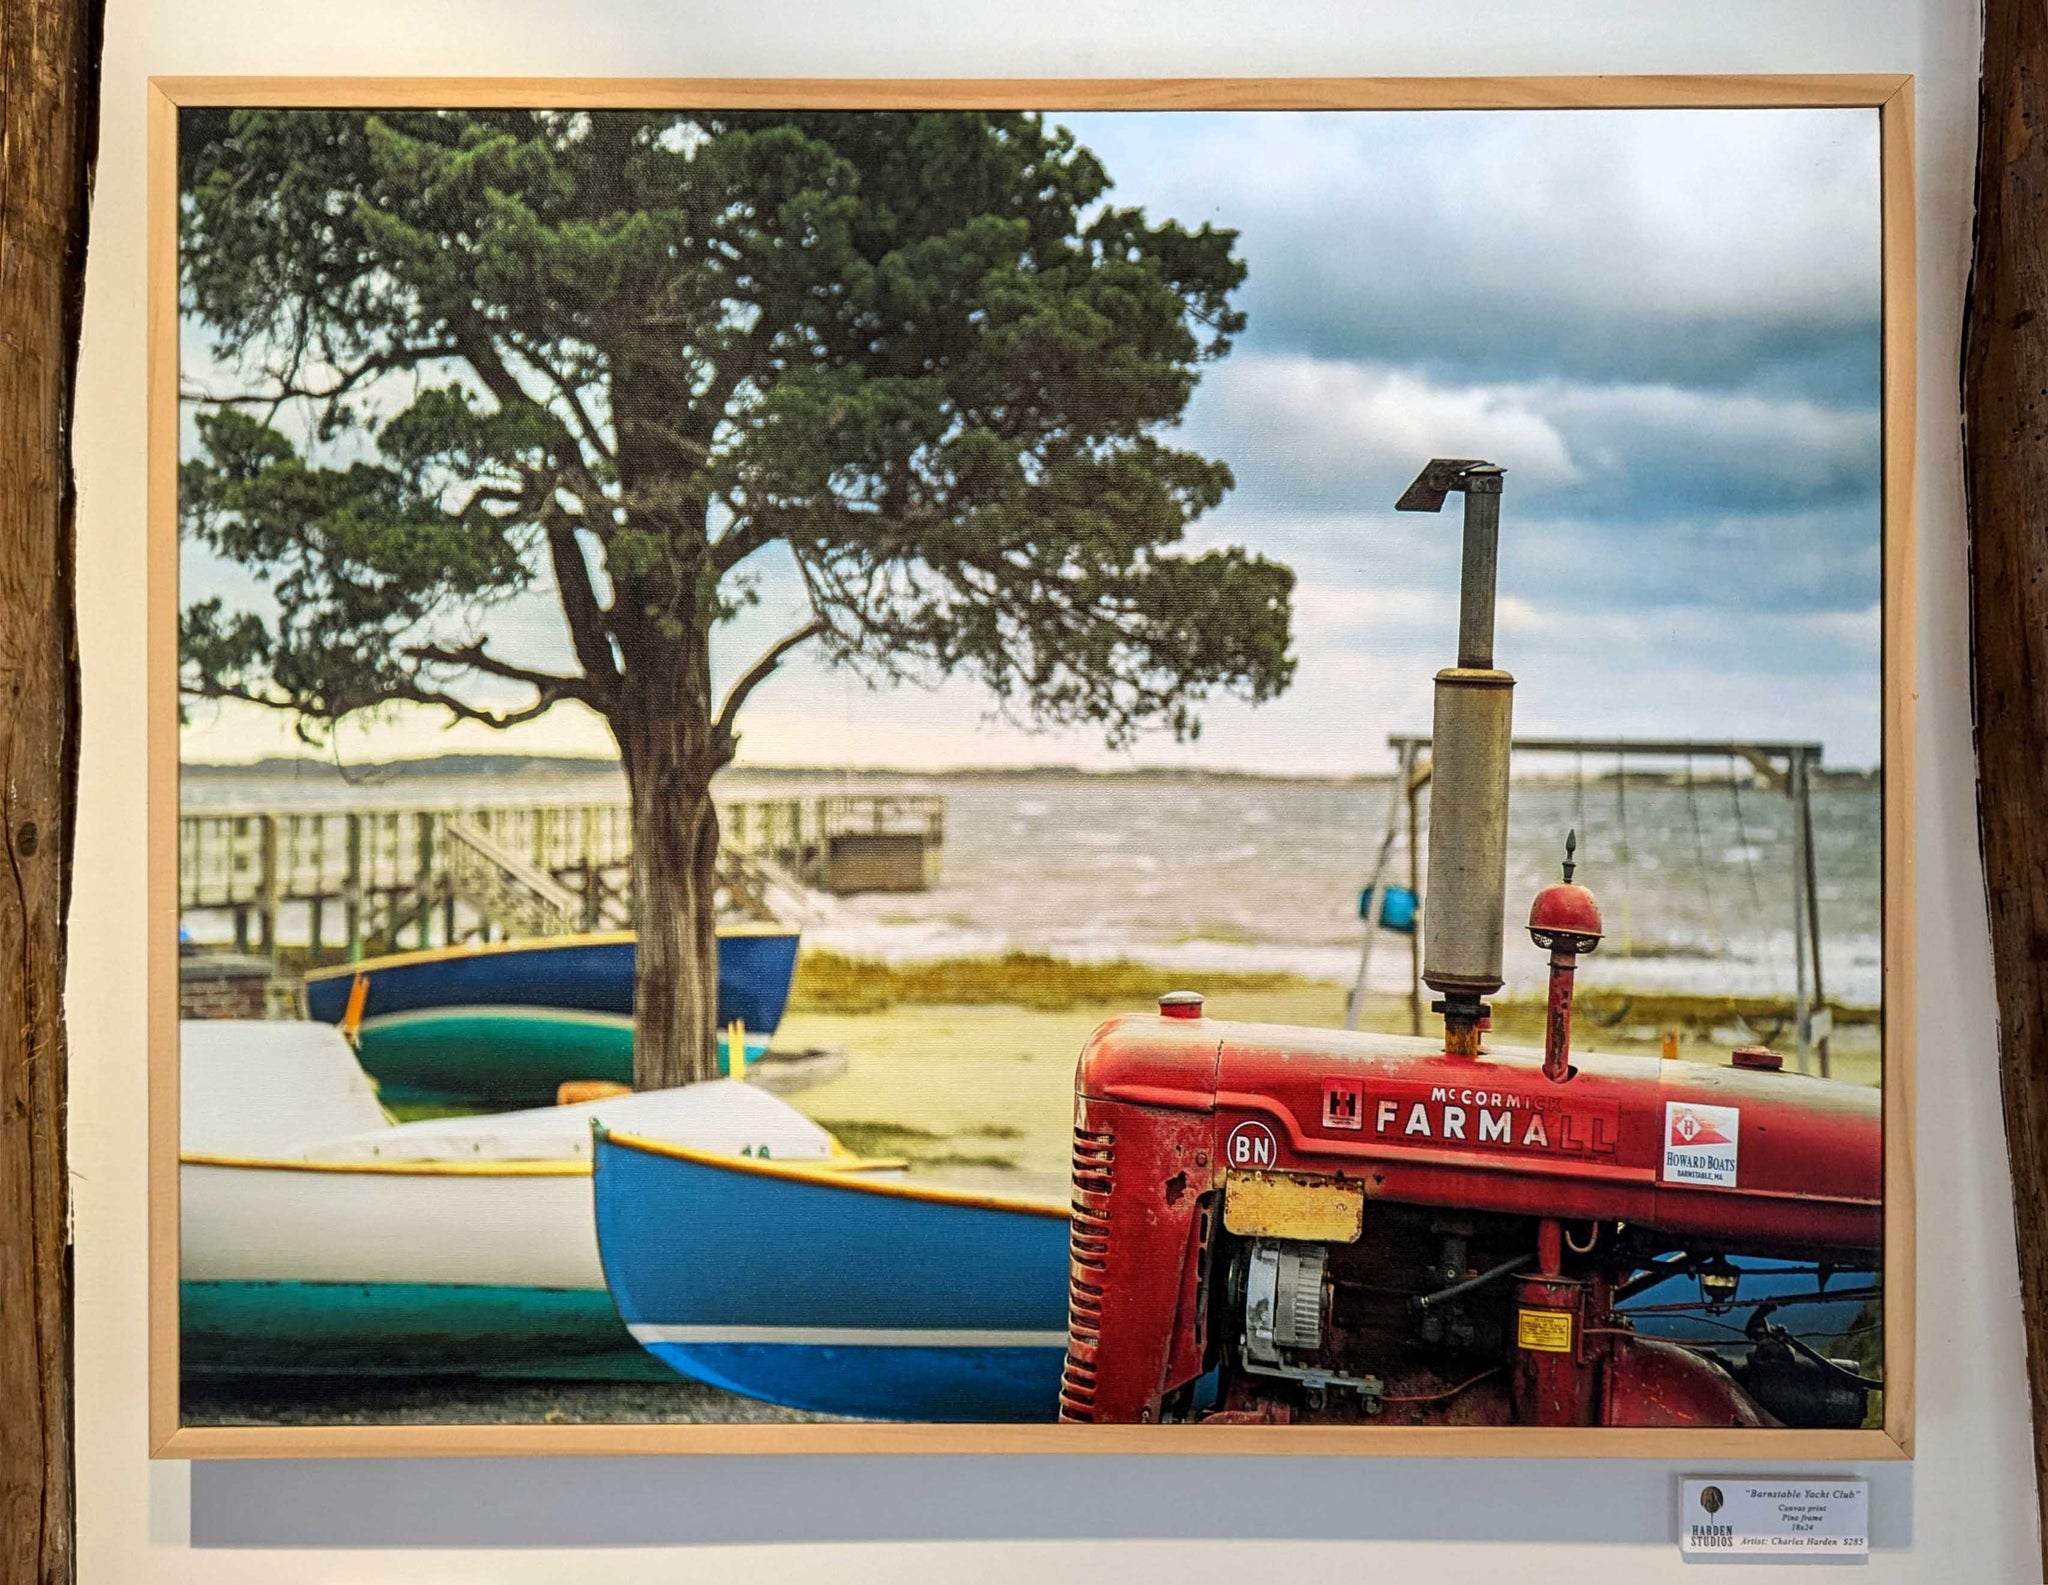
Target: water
x=1696, y=886
x=1267, y=875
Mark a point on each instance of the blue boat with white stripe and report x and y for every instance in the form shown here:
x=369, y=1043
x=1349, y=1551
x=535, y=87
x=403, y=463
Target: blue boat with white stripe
x=841, y=1293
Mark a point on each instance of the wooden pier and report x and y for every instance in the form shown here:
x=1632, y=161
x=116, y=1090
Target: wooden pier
x=358, y=879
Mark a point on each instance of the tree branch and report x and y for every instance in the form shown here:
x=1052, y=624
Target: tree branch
x=289, y=389
x=477, y=349
x=561, y=383
x=473, y=657
x=753, y=532
x=552, y=691
x=207, y=688
x=587, y=632
x=413, y=693
x=758, y=673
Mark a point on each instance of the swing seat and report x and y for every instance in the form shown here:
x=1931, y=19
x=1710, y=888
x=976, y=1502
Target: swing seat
x=1397, y=909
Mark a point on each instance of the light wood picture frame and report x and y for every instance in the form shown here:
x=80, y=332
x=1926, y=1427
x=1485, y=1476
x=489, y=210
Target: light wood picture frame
x=1889, y=97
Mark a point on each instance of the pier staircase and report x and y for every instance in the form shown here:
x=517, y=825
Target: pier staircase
x=524, y=901
x=498, y=884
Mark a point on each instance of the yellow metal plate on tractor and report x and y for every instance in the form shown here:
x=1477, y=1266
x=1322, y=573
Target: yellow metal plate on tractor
x=1545, y=1331
x=1279, y=1205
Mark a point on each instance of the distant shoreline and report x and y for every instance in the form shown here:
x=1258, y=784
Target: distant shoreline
x=457, y=766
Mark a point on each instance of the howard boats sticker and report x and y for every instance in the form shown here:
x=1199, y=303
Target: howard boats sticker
x=1700, y=1143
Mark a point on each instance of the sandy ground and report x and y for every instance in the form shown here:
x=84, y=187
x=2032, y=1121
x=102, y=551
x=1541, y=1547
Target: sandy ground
x=983, y=1096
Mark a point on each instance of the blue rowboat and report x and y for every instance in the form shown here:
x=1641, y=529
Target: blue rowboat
x=504, y=1024
x=875, y=1298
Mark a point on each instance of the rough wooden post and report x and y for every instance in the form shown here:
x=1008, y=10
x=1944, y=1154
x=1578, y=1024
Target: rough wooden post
x=266, y=884
x=592, y=901
x=1802, y=1001
x=424, y=883
x=1822, y=1020
x=49, y=113
x=2005, y=469
x=352, y=891
x=1414, y=793
x=316, y=902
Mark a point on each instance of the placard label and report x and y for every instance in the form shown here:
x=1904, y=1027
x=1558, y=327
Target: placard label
x=1727, y=1516
x=1545, y=1331
x=1700, y=1143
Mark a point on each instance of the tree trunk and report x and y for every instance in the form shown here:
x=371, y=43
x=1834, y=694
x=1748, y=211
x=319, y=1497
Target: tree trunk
x=2005, y=419
x=663, y=727
x=49, y=114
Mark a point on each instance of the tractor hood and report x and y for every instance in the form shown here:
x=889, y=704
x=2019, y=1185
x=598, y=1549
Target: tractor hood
x=1770, y=1161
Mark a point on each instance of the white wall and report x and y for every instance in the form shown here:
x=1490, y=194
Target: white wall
x=1964, y=1511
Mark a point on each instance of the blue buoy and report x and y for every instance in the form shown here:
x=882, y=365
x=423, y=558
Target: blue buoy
x=1397, y=912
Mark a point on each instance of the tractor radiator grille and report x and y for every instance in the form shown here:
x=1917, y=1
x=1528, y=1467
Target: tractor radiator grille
x=1094, y=1163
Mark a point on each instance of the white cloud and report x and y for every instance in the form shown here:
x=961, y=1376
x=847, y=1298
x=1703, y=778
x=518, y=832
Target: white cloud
x=1861, y=631
x=1348, y=434
x=1351, y=422
x=1792, y=443
x=1617, y=240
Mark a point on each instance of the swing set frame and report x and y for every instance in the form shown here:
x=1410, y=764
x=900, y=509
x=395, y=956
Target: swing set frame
x=1785, y=768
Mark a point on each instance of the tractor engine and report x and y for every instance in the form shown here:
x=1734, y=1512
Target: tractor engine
x=1282, y=1225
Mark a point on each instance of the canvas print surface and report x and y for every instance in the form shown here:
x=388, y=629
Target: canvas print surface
x=1111, y=768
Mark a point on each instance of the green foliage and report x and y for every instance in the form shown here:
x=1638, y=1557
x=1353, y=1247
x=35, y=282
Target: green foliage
x=922, y=354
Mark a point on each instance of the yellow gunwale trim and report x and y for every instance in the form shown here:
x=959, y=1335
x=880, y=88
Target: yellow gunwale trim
x=826, y=1177
x=575, y=1168
x=484, y=949
x=839, y=1163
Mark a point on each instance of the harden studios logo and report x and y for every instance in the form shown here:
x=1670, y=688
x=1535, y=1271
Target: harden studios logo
x=1705, y=1534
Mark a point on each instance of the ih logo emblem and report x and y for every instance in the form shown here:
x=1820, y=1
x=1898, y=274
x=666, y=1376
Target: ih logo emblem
x=1251, y=1146
x=1343, y=1104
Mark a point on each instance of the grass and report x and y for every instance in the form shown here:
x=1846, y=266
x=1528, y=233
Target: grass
x=923, y=1147
x=830, y=982
x=1600, y=1009
x=426, y=1111
x=939, y=1084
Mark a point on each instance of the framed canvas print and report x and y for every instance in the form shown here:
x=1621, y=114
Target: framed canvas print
x=1032, y=766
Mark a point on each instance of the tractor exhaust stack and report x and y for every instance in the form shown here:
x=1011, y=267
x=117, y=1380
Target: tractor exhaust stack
x=1464, y=920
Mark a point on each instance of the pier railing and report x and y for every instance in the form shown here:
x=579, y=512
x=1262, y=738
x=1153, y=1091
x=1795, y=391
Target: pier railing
x=350, y=876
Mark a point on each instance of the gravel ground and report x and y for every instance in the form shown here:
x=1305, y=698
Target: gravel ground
x=288, y=1401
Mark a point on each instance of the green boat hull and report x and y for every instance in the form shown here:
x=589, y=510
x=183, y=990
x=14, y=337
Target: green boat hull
x=499, y=1057
x=404, y=1330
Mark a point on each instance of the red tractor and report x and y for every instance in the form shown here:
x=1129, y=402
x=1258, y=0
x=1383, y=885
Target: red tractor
x=1277, y=1225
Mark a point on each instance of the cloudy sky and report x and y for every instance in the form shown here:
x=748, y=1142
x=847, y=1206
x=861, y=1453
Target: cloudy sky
x=1663, y=323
